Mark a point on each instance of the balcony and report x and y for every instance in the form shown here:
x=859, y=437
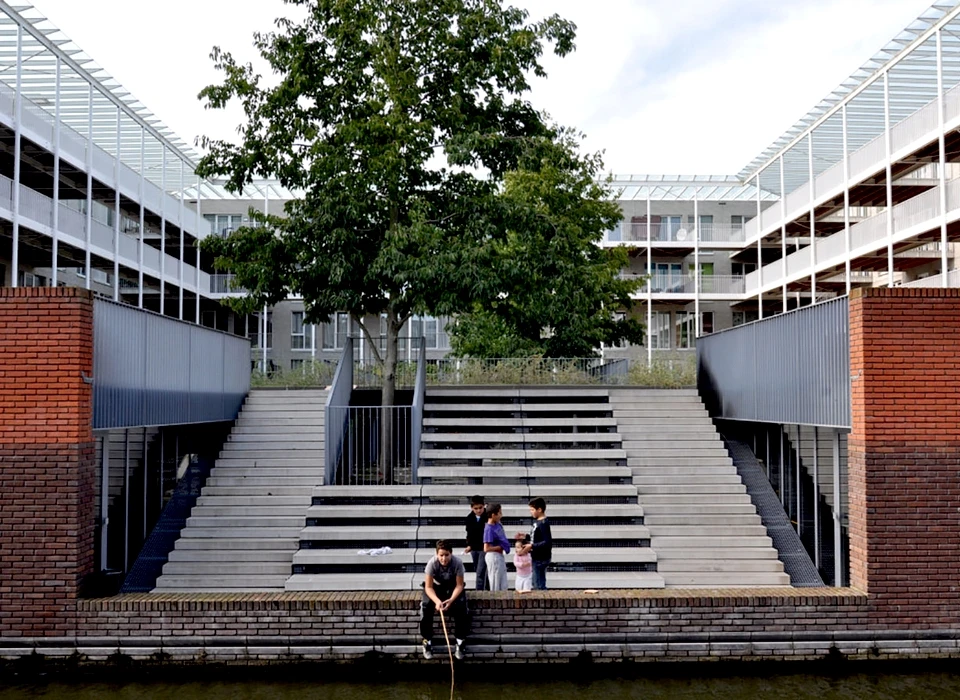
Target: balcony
x=222, y=284
x=682, y=235
x=728, y=286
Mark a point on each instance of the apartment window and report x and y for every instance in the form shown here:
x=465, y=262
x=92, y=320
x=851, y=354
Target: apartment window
x=705, y=232
x=298, y=338
x=706, y=322
x=224, y=224
x=667, y=277
x=741, y=317
x=296, y=365
x=686, y=329
x=335, y=331
x=742, y=268
x=669, y=225
x=253, y=326
x=208, y=319
x=28, y=279
x=659, y=332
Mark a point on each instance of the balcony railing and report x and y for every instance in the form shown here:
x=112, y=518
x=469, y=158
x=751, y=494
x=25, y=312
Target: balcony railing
x=224, y=284
x=675, y=232
x=685, y=284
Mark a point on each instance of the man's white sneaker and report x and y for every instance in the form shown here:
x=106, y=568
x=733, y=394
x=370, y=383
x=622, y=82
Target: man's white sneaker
x=458, y=652
x=427, y=649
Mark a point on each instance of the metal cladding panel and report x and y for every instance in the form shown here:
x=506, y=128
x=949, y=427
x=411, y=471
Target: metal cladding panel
x=154, y=370
x=793, y=368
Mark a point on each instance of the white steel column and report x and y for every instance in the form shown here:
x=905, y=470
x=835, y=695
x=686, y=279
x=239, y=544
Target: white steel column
x=90, y=146
x=163, y=230
x=313, y=341
x=263, y=342
x=181, y=221
x=105, y=498
x=837, y=520
x=649, y=290
x=889, y=173
x=196, y=239
x=846, y=196
x=140, y=192
x=813, y=222
x=116, y=213
x=696, y=263
x=816, y=497
x=783, y=234
x=944, y=243
x=759, y=256
x=55, y=253
x=18, y=125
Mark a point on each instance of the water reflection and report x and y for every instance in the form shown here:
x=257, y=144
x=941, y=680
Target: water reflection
x=921, y=686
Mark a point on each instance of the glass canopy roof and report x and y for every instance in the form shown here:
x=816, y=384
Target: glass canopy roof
x=911, y=61
x=705, y=188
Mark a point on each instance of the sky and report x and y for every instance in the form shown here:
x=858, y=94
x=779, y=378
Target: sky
x=660, y=86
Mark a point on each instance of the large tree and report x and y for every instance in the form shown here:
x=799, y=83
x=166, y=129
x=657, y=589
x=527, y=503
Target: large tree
x=398, y=123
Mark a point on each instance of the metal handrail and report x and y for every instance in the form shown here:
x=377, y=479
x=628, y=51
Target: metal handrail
x=416, y=423
x=340, y=391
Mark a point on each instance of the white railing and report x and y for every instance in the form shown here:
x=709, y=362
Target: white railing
x=914, y=127
x=101, y=235
x=831, y=247
x=34, y=205
x=223, y=284
x=830, y=178
x=636, y=232
x=916, y=210
x=868, y=158
x=953, y=281
x=770, y=216
x=798, y=201
x=6, y=192
x=951, y=103
x=722, y=284
x=798, y=261
x=722, y=233
x=953, y=194
x=128, y=247
x=868, y=231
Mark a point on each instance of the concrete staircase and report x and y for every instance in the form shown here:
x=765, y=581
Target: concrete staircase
x=703, y=527
x=243, y=533
x=509, y=445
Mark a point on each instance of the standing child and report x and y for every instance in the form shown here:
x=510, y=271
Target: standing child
x=523, y=563
x=541, y=549
x=474, y=523
x=495, y=545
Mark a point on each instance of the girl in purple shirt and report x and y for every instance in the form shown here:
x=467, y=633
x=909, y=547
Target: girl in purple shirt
x=495, y=545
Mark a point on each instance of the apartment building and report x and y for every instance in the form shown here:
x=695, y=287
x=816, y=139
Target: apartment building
x=863, y=190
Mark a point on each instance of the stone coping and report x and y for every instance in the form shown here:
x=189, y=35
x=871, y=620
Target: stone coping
x=672, y=597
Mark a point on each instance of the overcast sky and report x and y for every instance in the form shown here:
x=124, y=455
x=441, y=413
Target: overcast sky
x=662, y=86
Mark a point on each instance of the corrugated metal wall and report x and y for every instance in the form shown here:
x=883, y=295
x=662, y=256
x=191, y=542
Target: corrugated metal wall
x=153, y=370
x=791, y=368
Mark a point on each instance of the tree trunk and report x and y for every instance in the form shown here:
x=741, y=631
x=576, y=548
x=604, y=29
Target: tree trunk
x=388, y=451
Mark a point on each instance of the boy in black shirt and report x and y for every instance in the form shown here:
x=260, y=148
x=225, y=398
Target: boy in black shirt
x=474, y=523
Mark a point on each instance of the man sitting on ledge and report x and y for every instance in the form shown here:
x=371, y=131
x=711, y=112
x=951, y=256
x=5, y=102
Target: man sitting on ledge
x=443, y=591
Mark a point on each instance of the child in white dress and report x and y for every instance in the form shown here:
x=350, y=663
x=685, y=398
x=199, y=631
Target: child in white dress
x=523, y=564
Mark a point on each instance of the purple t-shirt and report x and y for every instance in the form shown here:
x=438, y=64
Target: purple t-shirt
x=494, y=534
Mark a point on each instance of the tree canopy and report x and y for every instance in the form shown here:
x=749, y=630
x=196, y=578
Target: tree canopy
x=427, y=182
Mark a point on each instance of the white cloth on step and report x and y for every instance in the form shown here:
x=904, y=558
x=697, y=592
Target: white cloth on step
x=375, y=552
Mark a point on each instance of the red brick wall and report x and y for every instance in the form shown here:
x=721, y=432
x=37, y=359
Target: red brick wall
x=46, y=457
x=904, y=454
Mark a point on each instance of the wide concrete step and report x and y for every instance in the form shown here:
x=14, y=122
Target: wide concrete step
x=220, y=568
x=427, y=513
x=228, y=542
x=242, y=489
x=246, y=511
x=557, y=580
x=562, y=408
x=693, y=422
x=684, y=554
x=260, y=423
x=719, y=521
x=679, y=544
x=367, y=581
x=677, y=451
x=278, y=473
x=243, y=448
x=698, y=509
x=683, y=488
x=689, y=471
x=519, y=437
x=260, y=554
x=474, y=454
x=524, y=392
x=543, y=490
x=283, y=440
x=689, y=499
x=247, y=521
x=657, y=440
x=561, y=555
x=225, y=583
x=240, y=531
x=725, y=565
x=724, y=580
x=236, y=452
x=559, y=532
x=679, y=460
x=275, y=461
x=706, y=529
x=268, y=482
x=253, y=501
x=524, y=422
x=679, y=479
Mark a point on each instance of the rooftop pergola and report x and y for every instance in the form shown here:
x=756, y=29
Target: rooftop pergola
x=704, y=188
x=910, y=62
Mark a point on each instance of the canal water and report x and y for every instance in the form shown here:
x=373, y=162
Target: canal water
x=510, y=684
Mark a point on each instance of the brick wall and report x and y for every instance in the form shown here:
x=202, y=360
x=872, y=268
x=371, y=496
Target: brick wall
x=46, y=457
x=904, y=454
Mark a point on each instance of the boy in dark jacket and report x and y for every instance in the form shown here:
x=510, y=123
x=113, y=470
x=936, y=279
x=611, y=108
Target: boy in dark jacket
x=541, y=546
x=474, y=524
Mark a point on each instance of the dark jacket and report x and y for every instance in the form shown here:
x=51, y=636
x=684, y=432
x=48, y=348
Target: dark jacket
x=474, y=529
x=542, y=541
